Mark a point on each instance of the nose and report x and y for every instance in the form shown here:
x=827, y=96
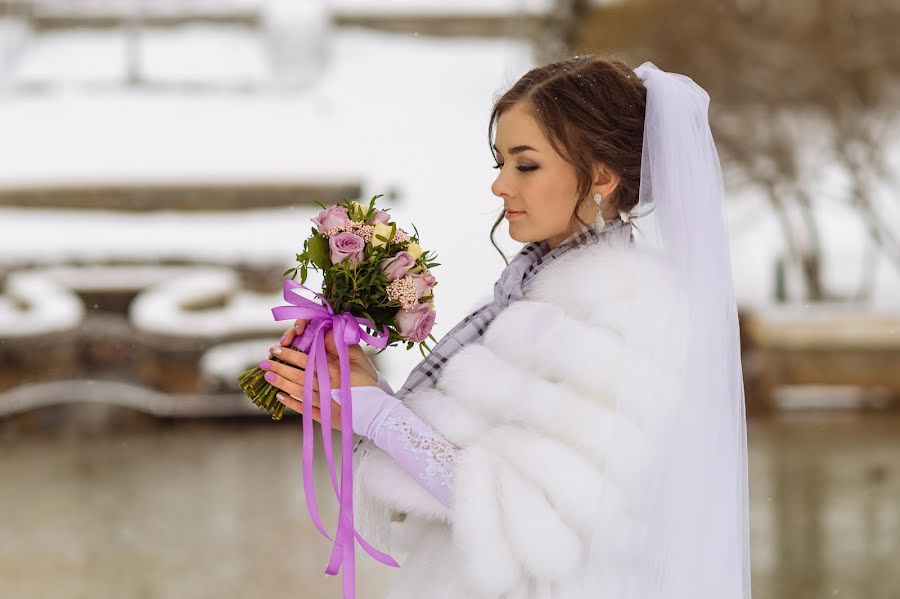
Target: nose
x=500, y=187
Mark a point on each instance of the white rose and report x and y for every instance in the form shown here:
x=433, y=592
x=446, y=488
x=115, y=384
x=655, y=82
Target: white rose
x=383, y=230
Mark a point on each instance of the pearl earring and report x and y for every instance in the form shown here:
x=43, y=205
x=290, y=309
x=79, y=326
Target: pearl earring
x=600, y=223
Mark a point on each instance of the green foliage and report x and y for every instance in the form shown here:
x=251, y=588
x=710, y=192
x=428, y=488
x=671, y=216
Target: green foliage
x=317, y=251
x=360, y=289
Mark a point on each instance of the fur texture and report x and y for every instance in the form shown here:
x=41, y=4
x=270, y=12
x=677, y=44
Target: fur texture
x=560, y=411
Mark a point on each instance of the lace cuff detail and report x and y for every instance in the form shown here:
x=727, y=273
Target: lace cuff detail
x=420, y=451
x=416, y=447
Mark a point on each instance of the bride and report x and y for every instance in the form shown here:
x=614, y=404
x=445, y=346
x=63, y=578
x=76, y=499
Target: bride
x=583, y=434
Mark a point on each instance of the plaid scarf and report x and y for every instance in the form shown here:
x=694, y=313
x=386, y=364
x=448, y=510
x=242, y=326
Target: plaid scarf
x=510, y=287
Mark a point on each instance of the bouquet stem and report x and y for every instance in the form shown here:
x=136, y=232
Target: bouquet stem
x=260, y=391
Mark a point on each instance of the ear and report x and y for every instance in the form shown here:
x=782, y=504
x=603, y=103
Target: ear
x=605, y=180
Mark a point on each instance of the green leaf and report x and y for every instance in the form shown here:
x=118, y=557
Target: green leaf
x=372, y=202
x=318, y=252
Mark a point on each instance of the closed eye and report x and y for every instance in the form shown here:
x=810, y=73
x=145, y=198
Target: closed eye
x=524, y=169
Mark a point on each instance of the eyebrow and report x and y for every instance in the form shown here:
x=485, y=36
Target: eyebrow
x=516, y=149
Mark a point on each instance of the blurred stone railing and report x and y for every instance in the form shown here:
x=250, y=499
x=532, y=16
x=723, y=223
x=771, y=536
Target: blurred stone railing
x=444, y=25
x=209, y=196
x=837, y=346
x=68, y=14
x=168, y=340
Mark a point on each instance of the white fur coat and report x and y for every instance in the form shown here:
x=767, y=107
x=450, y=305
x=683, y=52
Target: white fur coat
x=559, y=410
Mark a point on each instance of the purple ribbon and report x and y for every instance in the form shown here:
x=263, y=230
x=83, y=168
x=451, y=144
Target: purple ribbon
x=347, y=332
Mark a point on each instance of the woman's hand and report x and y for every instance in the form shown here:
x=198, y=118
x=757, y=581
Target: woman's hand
x=290, y=377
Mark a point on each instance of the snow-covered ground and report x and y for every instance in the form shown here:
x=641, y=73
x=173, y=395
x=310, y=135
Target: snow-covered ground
x=395, y=111
x=483, y=8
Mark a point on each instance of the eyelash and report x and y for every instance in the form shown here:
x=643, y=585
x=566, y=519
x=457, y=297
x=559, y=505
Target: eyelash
x=524, y=169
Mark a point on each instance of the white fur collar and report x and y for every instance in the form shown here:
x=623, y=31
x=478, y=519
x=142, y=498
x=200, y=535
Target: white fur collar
x=562, y=399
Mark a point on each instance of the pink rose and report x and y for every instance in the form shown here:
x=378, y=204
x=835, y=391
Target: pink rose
x=331, y=218
x=396, y=267
x=346, y=245
x=416, y=324
x=423, y=283
x=380, y=216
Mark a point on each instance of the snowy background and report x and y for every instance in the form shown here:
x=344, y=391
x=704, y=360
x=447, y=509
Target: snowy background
x=105, y=506
x=401, y=113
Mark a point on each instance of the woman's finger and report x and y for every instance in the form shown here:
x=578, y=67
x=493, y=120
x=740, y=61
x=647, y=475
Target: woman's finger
x=290, y=355
x=296, y=405
x=330, y=347
x=299, y=359
x=287, y=337
x=294, y=331
x=354, y=351
x=289, y=385
x=290, y=372
x=293, y=404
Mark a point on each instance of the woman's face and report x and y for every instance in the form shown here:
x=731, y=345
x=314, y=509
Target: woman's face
x=535, y=183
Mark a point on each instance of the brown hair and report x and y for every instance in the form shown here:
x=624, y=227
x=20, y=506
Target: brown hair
x=591, y=109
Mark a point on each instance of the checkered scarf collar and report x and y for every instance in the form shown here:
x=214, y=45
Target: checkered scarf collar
x=510, y=287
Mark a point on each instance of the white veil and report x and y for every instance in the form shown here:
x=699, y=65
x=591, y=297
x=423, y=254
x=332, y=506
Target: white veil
x=696, y=545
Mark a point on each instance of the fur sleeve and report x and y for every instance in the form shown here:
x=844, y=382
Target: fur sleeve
x=383, y=486
x=560, y=410
x=582, y=392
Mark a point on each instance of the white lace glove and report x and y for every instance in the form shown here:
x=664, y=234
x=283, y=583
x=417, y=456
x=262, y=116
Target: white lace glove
x=417, y=448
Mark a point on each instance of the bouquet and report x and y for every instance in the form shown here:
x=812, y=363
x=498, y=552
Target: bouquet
x=372, y=270
x=375, y=276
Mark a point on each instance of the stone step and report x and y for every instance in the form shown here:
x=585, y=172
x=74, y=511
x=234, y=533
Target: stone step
x=188, y=196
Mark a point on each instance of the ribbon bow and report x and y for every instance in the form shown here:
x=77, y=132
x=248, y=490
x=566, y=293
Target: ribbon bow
x=347, y=332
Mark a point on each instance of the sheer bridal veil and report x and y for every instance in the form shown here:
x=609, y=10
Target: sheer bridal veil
x=696, y=542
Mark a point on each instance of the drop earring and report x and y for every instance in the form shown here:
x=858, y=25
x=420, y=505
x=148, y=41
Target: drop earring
x=599, y=223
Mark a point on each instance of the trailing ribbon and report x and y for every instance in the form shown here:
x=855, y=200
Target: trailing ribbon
x=347, y=332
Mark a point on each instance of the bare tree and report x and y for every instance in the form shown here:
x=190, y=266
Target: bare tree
x=798, y=87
